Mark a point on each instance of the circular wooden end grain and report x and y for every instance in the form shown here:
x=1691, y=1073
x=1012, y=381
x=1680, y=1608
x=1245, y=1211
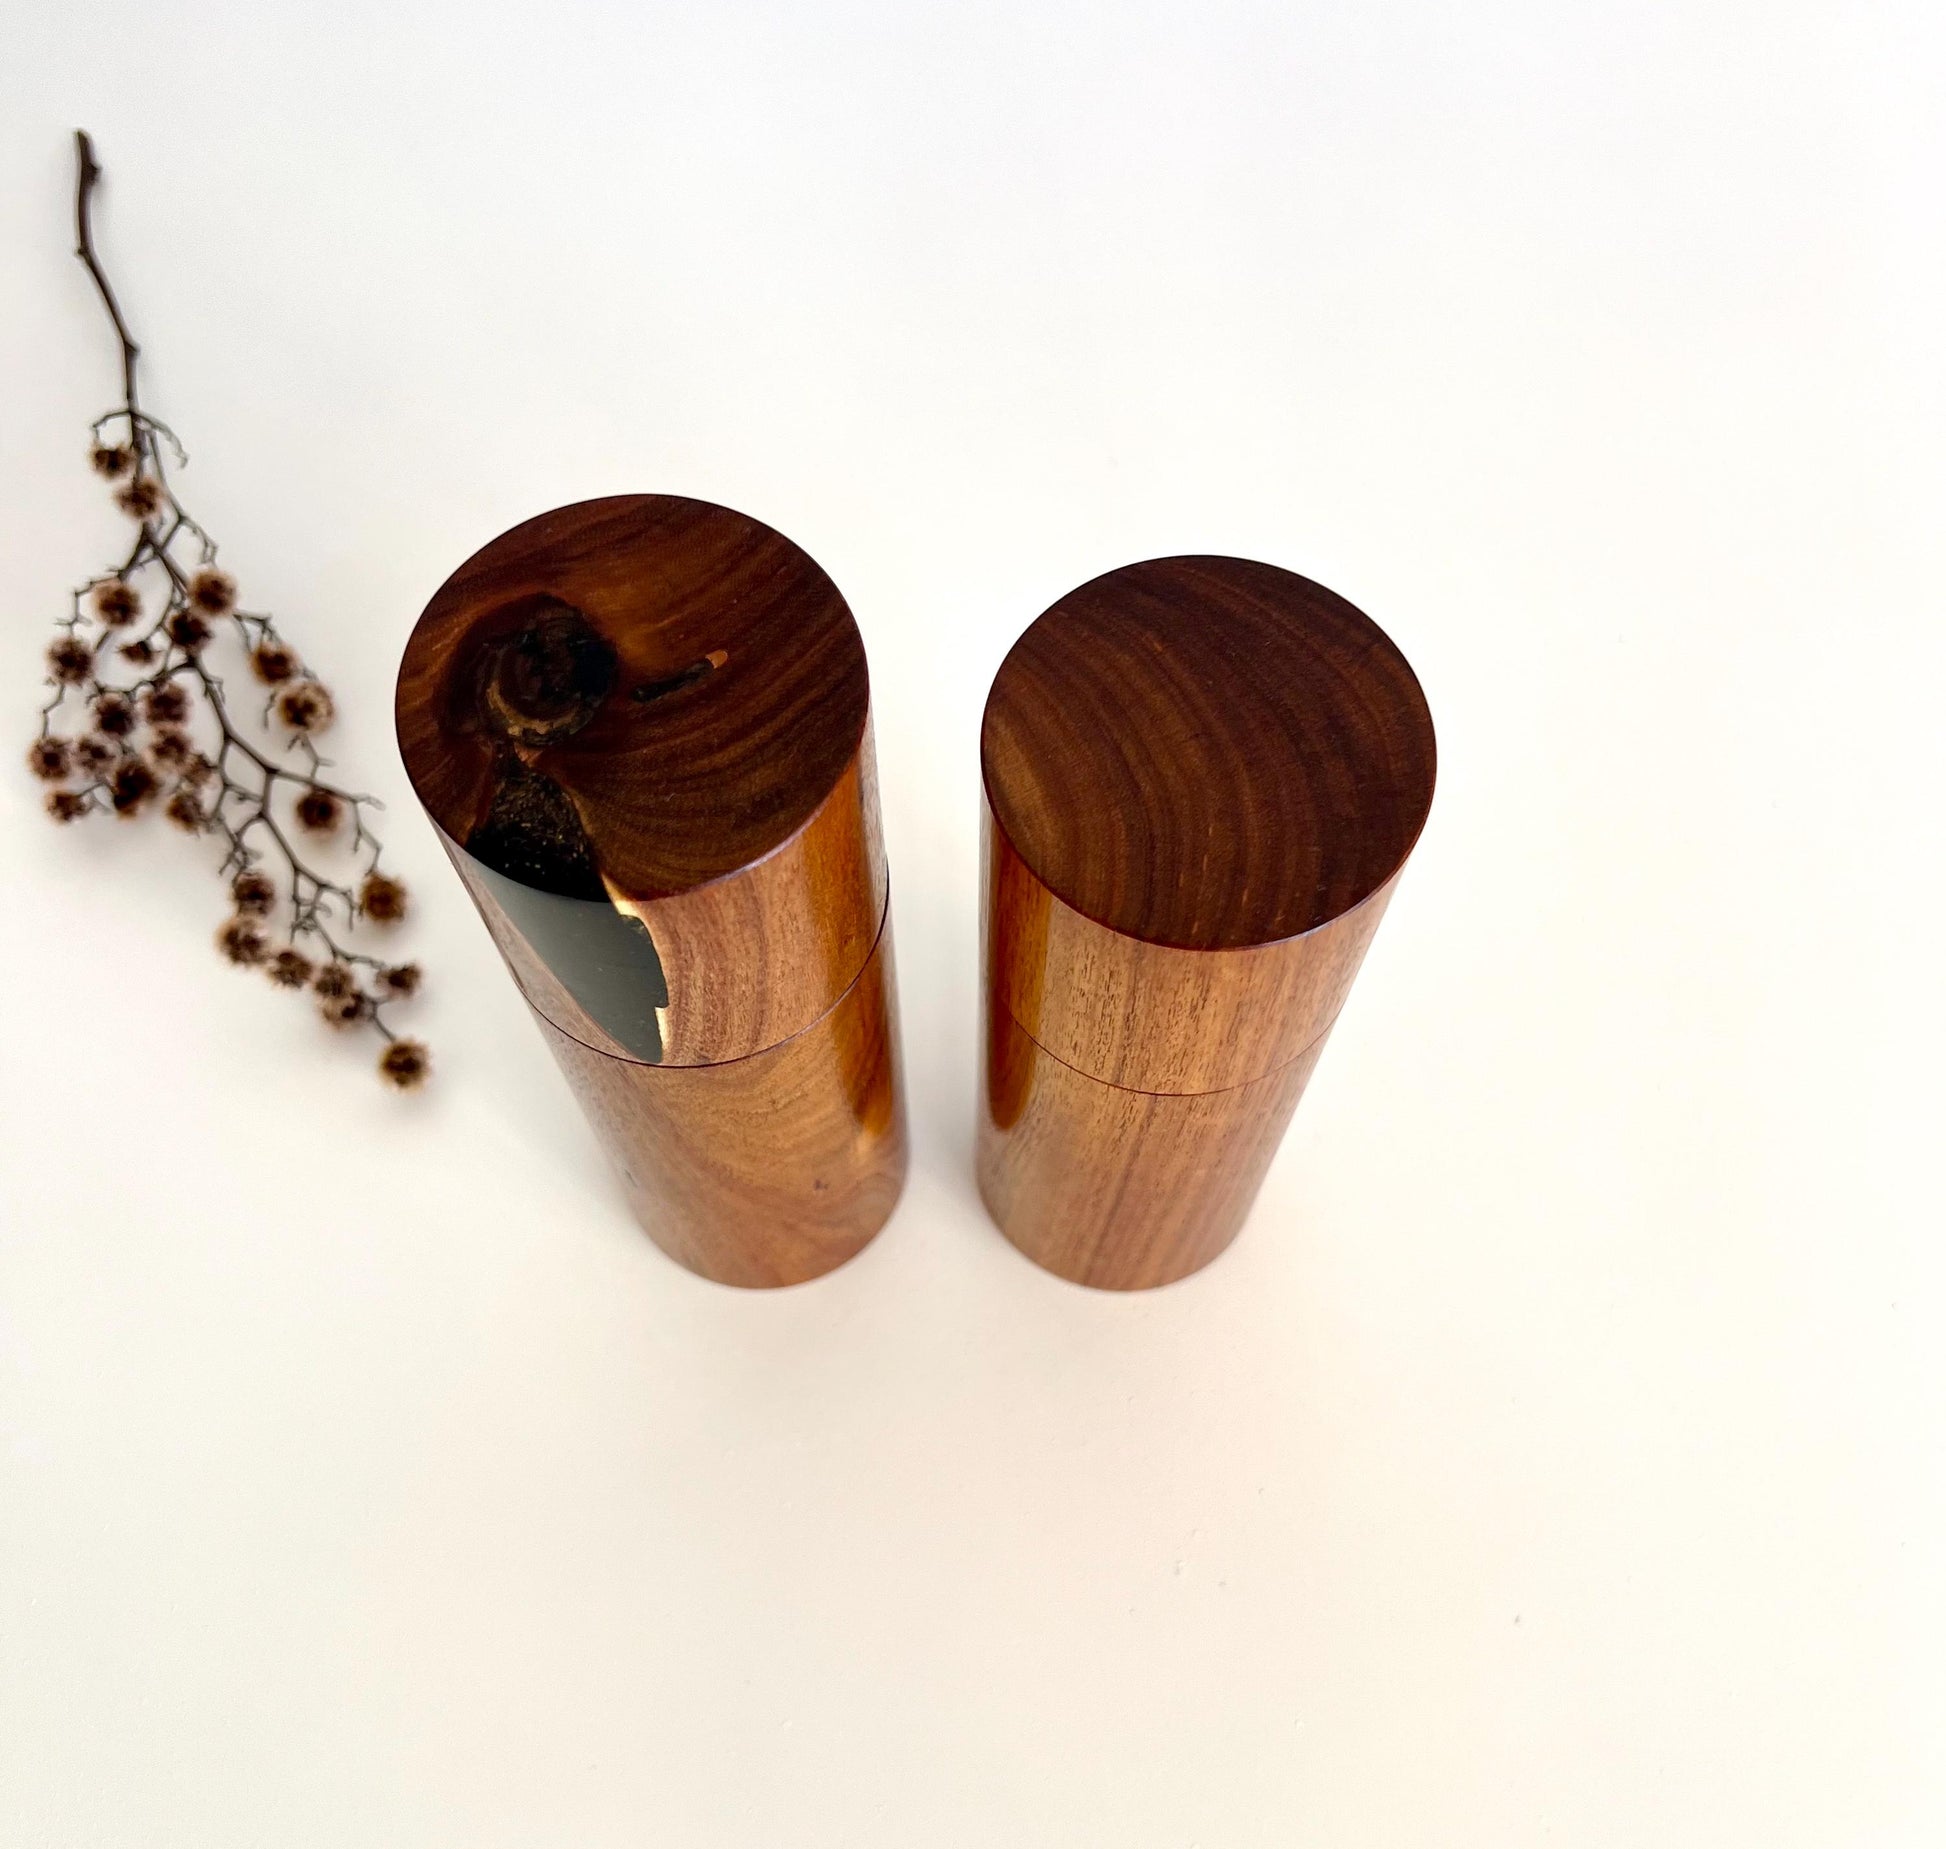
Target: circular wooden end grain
x=642, y=727
x=1203, y=776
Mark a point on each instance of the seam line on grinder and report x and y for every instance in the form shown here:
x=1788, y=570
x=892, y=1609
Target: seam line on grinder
x=1142, y=1091
x=664, y=1065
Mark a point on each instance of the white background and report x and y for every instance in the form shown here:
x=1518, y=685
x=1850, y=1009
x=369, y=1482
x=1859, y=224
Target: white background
x=1557, y=1457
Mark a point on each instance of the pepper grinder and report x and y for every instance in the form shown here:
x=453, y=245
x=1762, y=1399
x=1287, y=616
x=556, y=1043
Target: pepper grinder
x=1202, y=777
x=642, y=728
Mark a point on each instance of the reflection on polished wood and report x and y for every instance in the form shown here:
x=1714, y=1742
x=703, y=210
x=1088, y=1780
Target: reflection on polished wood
x=555, y=725
x=1116, y=1188
x=642, y=728
x=767, y=1170
x=802, y=920
x=1150, y=1016
x=1203, y=776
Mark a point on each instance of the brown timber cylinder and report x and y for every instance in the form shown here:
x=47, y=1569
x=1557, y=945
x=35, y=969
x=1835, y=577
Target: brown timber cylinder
x=1203, y=777
x=642, y=728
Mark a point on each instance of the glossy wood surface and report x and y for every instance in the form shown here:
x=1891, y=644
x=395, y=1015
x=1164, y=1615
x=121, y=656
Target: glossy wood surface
x=1149, y=1016
x=762, y=1171
x=642, y=729
x=642, y=726
x=1203, y=777
x=1208, y=753
x=743, y=962
x=1121, y=1189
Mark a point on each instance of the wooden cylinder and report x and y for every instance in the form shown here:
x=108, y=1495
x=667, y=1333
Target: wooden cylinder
x=1203, y=777
x=642, y=727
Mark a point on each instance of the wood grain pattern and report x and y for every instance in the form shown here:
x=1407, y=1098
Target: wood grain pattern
x=642, y=728
x=1209, y=753
x=802, y=920
x=681, y=774
x=1121, y=1189
x=768, y=1170
x=1203, y=777
x=1150, y=1016
x=605, y=782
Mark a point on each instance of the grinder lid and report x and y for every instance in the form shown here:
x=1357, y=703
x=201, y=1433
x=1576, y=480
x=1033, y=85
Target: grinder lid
x=1208, y=753
x=628, y=718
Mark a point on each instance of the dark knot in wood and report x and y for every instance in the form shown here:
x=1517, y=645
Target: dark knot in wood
x=544, y=681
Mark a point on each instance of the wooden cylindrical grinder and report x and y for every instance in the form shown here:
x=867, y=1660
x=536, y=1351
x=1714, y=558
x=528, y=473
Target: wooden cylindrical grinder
x=1203, y=776
x=642, y=727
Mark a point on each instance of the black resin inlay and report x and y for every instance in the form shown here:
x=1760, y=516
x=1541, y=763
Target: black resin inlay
x=604, y=958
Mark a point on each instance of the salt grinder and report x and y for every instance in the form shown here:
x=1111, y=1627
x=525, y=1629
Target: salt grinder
x=1202, y=777
x=642, y=728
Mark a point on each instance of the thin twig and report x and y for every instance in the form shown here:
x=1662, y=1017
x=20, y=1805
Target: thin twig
x=84, y=234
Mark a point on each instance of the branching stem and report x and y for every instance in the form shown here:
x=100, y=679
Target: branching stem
x=138, y=745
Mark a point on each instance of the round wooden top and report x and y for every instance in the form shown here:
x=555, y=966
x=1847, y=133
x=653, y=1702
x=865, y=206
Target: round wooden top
x=1208, y=753
x=631, y=697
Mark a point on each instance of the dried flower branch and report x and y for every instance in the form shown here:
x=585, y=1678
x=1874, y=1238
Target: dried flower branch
x=133, y=672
